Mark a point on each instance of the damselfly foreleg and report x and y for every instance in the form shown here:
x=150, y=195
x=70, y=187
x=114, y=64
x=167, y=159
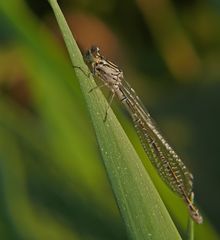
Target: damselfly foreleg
x=97, y=87
x=88, y=74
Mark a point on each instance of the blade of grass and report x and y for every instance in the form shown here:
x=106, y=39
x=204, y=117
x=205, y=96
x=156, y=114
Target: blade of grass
x=190, y=227
x=143, y=211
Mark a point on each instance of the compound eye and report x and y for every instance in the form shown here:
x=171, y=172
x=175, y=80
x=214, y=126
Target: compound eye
x=95, y=50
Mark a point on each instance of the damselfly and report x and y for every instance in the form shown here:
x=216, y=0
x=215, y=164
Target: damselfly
x=163, y=157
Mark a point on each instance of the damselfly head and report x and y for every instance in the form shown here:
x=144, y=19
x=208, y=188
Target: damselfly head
x=92, y=55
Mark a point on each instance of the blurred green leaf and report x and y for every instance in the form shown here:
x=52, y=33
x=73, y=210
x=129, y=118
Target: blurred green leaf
x=27, y=220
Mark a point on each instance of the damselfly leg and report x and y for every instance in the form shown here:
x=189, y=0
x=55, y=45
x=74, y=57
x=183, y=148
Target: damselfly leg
x=88, y=74
x=97, y=87
x=110, y=99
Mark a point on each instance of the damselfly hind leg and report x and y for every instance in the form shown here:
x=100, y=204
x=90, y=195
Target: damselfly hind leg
x=110, y=99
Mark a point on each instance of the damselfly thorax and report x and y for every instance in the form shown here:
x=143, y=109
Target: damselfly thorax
x=168, y=164
x=107, y=72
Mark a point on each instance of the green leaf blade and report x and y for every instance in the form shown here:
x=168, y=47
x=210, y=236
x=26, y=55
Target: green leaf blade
x=140, y=205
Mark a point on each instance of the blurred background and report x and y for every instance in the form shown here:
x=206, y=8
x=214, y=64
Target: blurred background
x=52, y=181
